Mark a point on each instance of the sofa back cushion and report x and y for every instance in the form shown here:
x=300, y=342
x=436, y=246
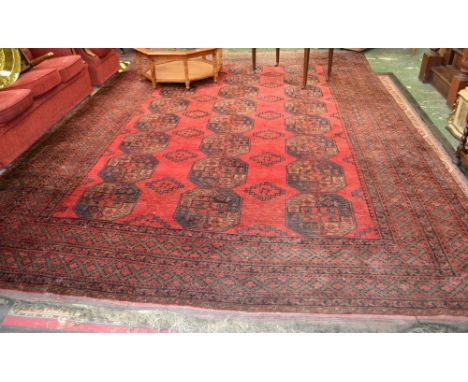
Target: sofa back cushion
x=100, y=52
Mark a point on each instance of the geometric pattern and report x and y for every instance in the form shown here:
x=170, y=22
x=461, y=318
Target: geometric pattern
x=265, y=191
x=315, y=176
x=271, y=98
x=236, y=106
x=307, y=124
x=188, y=133
x=218, y=172
x=164, y=185
x=225, y=144
x=196, y=114
x=320, y=215
x=179, y=155
x=107, y=201
x=270, y=115
x=267, y=159
x=238, y=91
x=310, y=92
x=301, y=107
x=268, y=134
x=208, y=210
x=128, y=168
x=311, y=146
x=230, y=123
x=153, y=123
x=144, y=143
x=168, y=105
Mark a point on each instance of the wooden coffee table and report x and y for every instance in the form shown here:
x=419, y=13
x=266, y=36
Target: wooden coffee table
x=178, y=65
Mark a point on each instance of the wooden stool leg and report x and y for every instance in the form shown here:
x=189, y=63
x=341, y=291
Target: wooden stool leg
x=254, y=59
x=330, y=63
x=306, y=67
x=277, y=56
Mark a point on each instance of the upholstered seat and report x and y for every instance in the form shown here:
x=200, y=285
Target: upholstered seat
x=67, y=66
x=39, y=81
x=13, y=103
x=102, y=63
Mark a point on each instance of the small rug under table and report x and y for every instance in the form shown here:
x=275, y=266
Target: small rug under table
x=248, y=194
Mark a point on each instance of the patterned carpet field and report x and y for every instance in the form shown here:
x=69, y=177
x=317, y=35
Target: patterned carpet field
x=247, y=194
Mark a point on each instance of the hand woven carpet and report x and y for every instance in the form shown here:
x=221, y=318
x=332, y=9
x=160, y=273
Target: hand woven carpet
x=248, y=194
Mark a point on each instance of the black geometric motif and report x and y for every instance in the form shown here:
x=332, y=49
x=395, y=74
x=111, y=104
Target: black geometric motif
x=164, y=185
x=179, y=155
x=265, y=191
x=267, y=159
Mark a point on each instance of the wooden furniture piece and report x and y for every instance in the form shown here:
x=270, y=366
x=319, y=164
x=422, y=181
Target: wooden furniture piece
x=462, y=150
x=306, y=62
x=456, y=121
x=446, y=69
x=178, y=65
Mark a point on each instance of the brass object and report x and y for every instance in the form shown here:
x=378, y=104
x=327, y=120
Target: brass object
x=457, y=118
x=10, y=66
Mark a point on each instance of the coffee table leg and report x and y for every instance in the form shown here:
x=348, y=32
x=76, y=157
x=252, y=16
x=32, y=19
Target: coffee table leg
x=138, y=63
x=254, y=59
x=215, y=66
x=153, y=73
x=306, y=67
x=277, y=56
x=187, y=80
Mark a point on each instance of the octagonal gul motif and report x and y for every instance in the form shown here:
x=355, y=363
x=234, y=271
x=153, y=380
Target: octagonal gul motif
x=144, y=143
x=320, y=215
x=165, y=105
x=219, y=172
x=234, y=106
x=107, y=201
x=295, y=80
x=311, y=147
x=242, y=79
x=307, y=124
x=176, y=91
x=128, y=168
x=315, y=176
x=308, y=93
x=208, y=210
x=225, y=144
x=301, y=107
x=230, y=123
x=238, y=91
x=157, y=122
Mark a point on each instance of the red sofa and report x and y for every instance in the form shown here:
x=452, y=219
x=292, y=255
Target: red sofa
x=102, y=63
x=39, y=99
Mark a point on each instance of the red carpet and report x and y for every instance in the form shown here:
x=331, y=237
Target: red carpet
x=249, y=194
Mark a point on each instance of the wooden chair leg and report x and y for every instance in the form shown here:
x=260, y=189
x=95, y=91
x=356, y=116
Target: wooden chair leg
x=330, y=62
x=254, y=59
x=277, y=56
x=306, y=67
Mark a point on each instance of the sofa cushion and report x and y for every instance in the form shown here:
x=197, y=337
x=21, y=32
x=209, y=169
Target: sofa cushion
x=13, y=103
x=67, y=66
x=100, y=52
x=39, y=81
